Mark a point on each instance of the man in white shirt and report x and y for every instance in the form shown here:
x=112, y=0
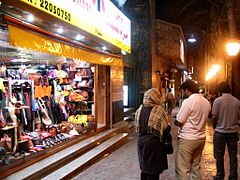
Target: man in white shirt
x=191, y=120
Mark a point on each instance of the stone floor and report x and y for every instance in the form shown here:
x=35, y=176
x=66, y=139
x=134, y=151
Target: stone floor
x=123, y=163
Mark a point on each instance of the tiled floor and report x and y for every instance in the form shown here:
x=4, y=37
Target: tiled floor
x=123, y=163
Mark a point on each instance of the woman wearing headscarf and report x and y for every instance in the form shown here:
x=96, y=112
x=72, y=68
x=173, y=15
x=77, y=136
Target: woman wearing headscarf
x=151, y=123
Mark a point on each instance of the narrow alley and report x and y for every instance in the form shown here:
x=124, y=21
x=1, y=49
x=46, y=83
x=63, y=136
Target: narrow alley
x=123, y=163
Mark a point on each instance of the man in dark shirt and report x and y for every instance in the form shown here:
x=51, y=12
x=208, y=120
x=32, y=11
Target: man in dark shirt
x=225, y=117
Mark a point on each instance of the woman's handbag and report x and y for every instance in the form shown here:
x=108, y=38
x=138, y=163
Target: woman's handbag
x=167, y=140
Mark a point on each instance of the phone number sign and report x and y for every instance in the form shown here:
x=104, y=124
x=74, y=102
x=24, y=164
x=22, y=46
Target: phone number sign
x=100, y=18
x=49, y=7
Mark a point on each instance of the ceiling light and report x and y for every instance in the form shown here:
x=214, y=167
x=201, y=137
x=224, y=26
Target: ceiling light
x=60, y=30
x=192, y=39
x=20, y=60
x=30, y=18
x=104, y=48
x=79, y=37
x=123, y=52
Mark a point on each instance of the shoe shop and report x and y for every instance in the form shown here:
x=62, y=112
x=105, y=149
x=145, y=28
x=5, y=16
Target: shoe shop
x=61, y=74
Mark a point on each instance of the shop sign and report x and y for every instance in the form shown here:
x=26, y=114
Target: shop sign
x=98, y=17
x=116, y=24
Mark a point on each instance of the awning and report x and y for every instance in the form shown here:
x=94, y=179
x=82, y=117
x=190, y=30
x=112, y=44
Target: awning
x=26, y=39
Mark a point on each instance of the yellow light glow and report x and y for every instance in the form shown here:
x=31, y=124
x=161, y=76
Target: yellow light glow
x=216, y=67
x=233, y=48
x=213, y=71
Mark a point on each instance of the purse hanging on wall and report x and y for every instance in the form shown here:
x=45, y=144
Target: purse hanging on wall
x=45, y=118
x=37, y=118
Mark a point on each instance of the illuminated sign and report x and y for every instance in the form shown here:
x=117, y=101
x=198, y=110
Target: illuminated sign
x=116, y=24
x=98, y=17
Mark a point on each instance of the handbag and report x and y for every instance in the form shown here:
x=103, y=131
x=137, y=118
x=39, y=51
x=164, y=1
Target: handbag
x=37, y=118
x=45, y=118
x=167, y=140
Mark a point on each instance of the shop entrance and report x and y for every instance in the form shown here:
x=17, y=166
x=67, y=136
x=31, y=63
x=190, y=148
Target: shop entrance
x=102, y=96
x=51, y=97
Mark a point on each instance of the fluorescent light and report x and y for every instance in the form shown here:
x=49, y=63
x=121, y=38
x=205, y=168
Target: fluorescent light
x=123, y=52
x=104, y=48
x=60, y=30
x=30, y=18
x=79, y=37
x=20, y=60
x=192, y=39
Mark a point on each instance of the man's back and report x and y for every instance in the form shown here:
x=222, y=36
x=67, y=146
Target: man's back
x=169, y=97
x=193, y=113
x=227, y=109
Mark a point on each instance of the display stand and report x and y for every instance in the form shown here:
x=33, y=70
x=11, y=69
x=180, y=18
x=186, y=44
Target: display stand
x=13, y=130
x=19, y=81
x=14, y=127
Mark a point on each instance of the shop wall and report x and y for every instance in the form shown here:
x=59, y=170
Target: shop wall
x=117, y=79
x=145, y=51
x=158, y=64
x=141, y=42
x=178, y=83
x=155, y=77
x=168, y=39
x=168, y=61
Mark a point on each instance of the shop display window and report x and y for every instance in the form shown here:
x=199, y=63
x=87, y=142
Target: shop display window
x=45, y=100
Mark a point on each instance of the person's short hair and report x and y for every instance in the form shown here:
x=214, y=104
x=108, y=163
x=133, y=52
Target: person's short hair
x=223, y=87
x=190, y=85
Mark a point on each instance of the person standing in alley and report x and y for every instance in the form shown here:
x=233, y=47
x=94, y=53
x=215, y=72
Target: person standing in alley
x=170, y=101
x=151, y=124
x=225, y=117
x=191, y=120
